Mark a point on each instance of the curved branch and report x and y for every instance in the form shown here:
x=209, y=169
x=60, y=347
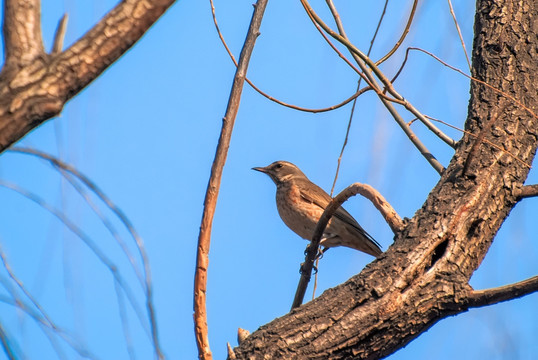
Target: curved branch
x=389, y=214
x=502, y=293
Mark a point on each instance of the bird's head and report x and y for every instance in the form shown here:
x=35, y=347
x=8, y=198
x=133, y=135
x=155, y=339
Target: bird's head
x=281, y=171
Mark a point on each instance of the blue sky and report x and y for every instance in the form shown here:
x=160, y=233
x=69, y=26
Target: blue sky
x=146, y=132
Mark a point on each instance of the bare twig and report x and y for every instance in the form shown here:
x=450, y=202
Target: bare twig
x=210, y=202
x=105, y=260
x=404, y=34
x=139, y=242
x=388, y=86
x=475, y=136
x=389, y=214
x=527, y=191
x=264, y=94
x=508, y=96
x=41, y=317
x=496, y=295
x=459, y=33
x=59, y=36
x=342, y=32
x=369, y=78
x=6, y=344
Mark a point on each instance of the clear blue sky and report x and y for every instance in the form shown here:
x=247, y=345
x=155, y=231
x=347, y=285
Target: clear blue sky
x=146, y=131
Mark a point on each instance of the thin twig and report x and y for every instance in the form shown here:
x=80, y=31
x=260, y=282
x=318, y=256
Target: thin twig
x=271, y=98
x=474, y=135
x=139, y=242
x=389, y=214
x=210, y=202
x=404, y=34
x=503, y=293
x=59, y=36
x=508, y=96
x=340, y=26
x=459, y=33
x=338, y=21
x=89, y=243
x=6, y=344
x=41, y=317
x=388, y=86
x=366, y=74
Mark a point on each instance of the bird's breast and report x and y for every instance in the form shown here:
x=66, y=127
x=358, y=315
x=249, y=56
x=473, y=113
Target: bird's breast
x=298, y=214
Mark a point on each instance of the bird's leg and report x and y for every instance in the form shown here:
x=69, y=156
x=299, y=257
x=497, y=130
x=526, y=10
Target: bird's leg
x=322, y=252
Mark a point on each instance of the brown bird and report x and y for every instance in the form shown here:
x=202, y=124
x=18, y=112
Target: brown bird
x=300, y=204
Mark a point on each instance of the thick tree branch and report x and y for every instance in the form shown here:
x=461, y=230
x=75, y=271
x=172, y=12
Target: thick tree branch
x=210, y=202
x=22, y=32
x=39, y=90
x=499, y=294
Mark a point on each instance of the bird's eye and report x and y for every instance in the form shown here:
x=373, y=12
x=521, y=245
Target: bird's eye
x=278, y=166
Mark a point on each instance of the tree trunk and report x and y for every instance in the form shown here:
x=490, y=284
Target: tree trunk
x=423, y=277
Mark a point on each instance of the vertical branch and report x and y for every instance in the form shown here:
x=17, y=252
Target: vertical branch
x=210, y=202
x=22, y=31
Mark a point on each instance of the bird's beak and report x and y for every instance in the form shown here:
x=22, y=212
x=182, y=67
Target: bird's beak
x=260, y=169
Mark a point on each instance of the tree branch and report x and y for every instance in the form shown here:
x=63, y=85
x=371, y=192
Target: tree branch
x=59, y=36
x=22, y=32
x=388, y=212
x=527, y=191
x=503, y=293
x=210, y=202
x=369, y=78
x=38, y=91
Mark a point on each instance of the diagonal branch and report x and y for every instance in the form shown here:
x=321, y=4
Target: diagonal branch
x=210, y=201
x=24, y=104
x=368, y=76
x=499, y=294
x=22, y=32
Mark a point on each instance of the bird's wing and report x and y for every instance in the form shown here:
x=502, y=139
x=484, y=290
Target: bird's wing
x=322, y=199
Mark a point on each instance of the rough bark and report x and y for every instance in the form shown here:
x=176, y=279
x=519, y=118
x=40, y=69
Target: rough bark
x=423, y=277
x=34, y=86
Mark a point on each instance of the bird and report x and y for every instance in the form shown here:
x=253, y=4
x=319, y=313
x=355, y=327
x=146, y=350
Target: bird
x=300, y=204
